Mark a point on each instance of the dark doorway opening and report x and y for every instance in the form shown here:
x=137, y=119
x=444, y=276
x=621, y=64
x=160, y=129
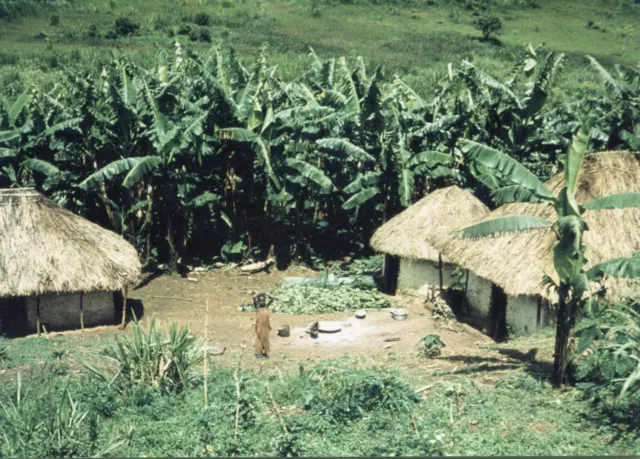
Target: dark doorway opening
x=498, y=314
x=391, y=271
x=13, y=317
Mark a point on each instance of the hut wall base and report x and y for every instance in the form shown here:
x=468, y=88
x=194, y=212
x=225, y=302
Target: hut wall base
x=62, y=312
x=479, y=301
x=522, y=314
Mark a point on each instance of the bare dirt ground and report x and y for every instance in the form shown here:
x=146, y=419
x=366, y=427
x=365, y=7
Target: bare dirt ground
x=173, y=298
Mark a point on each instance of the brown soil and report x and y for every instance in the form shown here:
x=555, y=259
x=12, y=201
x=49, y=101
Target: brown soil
x=173, y=298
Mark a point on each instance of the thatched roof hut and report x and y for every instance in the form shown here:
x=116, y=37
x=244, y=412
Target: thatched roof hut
x=408, y=234
x=45, y=249
x=519, y=261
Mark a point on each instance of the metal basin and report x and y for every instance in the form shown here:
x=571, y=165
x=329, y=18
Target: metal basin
x=399, y=314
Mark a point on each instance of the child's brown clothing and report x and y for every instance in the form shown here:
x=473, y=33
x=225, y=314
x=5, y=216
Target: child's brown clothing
x=262, y=331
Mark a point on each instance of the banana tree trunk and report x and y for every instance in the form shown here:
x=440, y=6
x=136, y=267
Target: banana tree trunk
x=563, y=334
x=172, y=261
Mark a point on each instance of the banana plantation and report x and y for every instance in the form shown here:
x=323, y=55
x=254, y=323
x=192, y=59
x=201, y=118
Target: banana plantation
x=202, y=156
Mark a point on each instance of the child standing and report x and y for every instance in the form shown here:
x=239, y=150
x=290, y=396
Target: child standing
x=262, y=325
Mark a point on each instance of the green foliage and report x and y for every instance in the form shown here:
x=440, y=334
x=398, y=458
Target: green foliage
x=521, y=381
x=154, y=359
x=187, y=146
x=3, y=350
x=43, y=421
x=504, y=224
x=611, y=333
x=433, y=345
x=362, y=266
x=306, y=299
x=343, y=394
x=335, y=408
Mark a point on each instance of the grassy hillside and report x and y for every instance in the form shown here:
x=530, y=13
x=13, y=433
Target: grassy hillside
x=418, y=39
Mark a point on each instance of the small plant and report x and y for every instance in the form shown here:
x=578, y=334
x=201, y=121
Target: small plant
x=4, y=354
x=454, y=14
x=54, y=20
x=490, y=26
x=433, y=345
x=193, y=35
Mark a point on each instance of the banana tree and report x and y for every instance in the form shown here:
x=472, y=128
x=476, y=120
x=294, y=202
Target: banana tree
x=515, y=183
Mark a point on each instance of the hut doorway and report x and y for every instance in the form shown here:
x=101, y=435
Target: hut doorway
x=391, y=271
x=13, y=317
x=498, y=314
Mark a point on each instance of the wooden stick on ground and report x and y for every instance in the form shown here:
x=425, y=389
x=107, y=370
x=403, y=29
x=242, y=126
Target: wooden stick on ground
x=38, y=314
x=275, y=409
x=171, y=298
x=414, y=426
x=204, y=351
x=235, y=378
x=235, y=430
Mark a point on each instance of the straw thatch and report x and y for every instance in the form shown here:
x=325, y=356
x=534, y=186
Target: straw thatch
x=518, y=261
x=408, y=234
x=46, y=249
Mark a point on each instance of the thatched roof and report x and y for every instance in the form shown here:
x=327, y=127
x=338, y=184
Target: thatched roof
x=408, y=234
x=47, y=249
x=518, y=262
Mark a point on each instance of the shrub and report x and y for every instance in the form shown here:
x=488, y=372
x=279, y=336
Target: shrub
x=193, y=35
x=159, y=23
x=92, y=32
x=490, y=26
x=205, y=35
x=124, y=27
x=343, y=393
x=184, y=29
x=202, y=19
x=54, y=20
